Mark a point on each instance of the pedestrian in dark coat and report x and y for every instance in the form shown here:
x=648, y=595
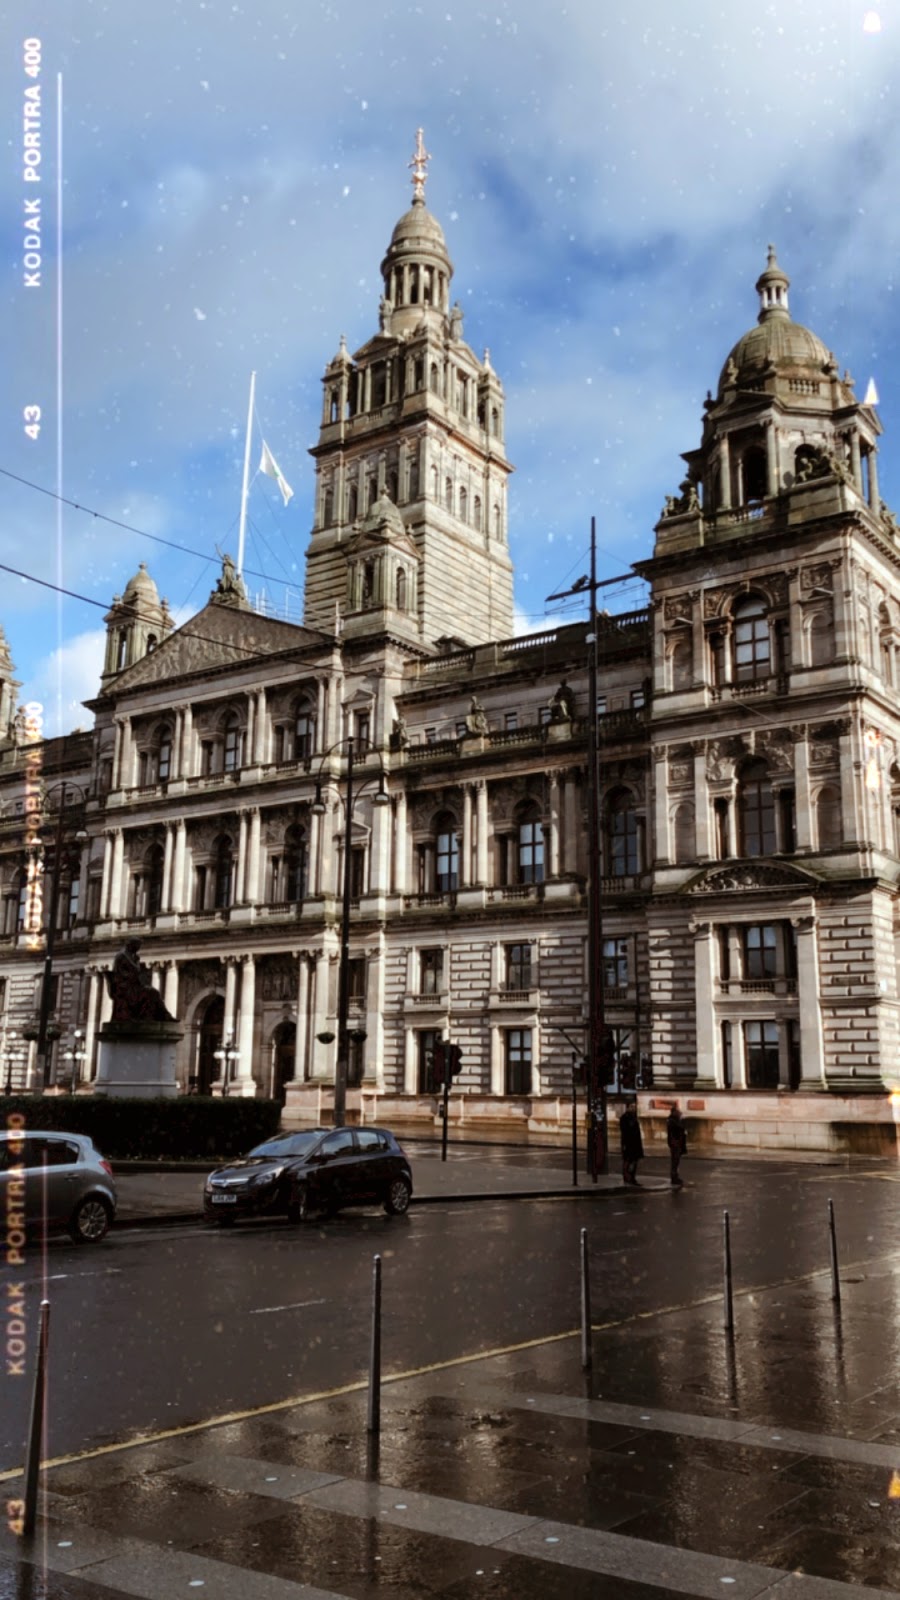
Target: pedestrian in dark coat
x=676, y=1138
x=632, y=1144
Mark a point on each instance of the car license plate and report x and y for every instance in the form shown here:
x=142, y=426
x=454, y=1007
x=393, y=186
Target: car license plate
x=224, y=1199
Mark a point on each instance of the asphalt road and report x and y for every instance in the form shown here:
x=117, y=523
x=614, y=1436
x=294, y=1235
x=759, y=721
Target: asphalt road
x=163, y=1327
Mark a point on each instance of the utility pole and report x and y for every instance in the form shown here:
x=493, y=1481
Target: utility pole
x=598, y=1145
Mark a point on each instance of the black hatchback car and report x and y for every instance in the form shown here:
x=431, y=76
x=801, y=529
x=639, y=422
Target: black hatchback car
x=321, y=1169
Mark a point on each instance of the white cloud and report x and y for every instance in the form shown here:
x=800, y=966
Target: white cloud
x=65, y=678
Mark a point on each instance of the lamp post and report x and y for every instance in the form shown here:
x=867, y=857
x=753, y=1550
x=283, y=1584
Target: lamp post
x=57, y=836
x=226, y=1055
x=380, y=798
x=74, y=1056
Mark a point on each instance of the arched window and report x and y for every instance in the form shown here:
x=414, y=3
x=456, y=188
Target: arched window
x=333, y=406
x=223, y=872
x=756, y=810
x=752, y=644
x=623, y=846
x=821, y=639
x=476, y=513
x=121, y=649
x=448, y=494
x=530, y=847
x=413, y=481
x=304, y=733
x=682, y=664
x=463, y=506
x=353, y=503
x=401, y=589
x=152, y=642
x=434, y=379
x=296, y=862
x=683, y=833
x=446, y=855
x=232, y=757
x=391, y=485
x=328, y=507
x=419, y=374
x=154, y=862
x=755, y=475
x=829, y=827
x=498, y=521
x=495, y=421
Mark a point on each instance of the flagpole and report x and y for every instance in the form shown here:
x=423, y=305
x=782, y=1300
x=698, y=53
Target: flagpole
x=246, y=486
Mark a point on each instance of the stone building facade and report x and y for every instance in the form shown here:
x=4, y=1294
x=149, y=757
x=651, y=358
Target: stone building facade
x=749, y=776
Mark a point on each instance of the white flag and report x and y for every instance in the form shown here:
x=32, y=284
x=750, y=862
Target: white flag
x=270, y=467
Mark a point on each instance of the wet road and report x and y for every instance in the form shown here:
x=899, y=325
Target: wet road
x=160, y=1328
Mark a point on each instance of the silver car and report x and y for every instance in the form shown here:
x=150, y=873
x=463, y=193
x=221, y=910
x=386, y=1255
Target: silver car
x=55, y=1180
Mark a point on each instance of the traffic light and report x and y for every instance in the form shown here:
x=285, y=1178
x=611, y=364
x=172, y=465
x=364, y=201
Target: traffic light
x=606, y=1055
x=438, y=1062
x=454, y=1060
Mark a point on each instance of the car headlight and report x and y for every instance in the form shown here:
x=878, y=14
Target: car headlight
x=262, y=1178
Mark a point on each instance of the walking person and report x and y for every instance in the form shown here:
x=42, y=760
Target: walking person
x=632, y=1145
x=676, y=1138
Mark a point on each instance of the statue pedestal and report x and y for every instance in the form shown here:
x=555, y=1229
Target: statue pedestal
x=136, y=1060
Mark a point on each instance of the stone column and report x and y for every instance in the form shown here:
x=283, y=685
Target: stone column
x=323, y=1054
x=702, y=807
x=795, y=620
x=379, y=850
x=874, y=497
x=570, y=830
x=812, y=1048
x=228, y=1017
x=465, y=876
x=663, y=850
x=401, y=878
x=240, y=873
x=497, y=1074
x=856, y=461
x=555, y=821
x=302, y=1036
x=166, y=895
x=375, y=993
x=250, y=734
x=853, y=821
x=481, y=833
x=245, y=1083
x=803, y=822
x=116, y=873
x=724, y=474
x=177, y=902
x=410, y=1084
x=321, y=715
x=315, y=854
x=107, y=876
x=771, y=459
x=117, y=756
x=186, y=767
x=707, y=1070
x=261, y=732
x=170, y=988
x=251, y=876
x=95, y=991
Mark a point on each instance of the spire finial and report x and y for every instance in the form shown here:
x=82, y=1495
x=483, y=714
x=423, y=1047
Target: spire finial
x=419, y=165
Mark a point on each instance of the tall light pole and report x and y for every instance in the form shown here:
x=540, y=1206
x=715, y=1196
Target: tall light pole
x=380, y=798
x=57, y=835
x=598, y=1150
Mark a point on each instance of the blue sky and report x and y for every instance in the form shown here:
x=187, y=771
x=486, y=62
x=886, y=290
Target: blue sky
x=607, y=178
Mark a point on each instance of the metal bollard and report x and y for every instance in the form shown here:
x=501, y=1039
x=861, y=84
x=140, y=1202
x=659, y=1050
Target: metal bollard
x=835, y=1278
x=36, y=1425
x=729, y=1305
x=373, y=1419
x=587, y=1353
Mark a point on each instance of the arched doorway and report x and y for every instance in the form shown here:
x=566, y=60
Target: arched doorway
x=284, y=1043
x=210, y=1040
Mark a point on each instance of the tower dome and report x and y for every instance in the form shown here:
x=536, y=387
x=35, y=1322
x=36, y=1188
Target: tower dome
x=141, y=589
x=777, y=348
x=416, y=268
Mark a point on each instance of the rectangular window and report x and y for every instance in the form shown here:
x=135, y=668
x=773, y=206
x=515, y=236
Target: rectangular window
x=74, y=896
x=356, y=978
x=601, y=705
x=363, y=729
x=207, y=757
x=280, y=750
x=427, y=1079
x=461, y=730
x=517, y=1075
x=357, y=872
x=727, y=1056
x=544, y=716
x=306, y=736
x=430, y=735
x=761, y=1047
x=638, y=699
x=200, y=889
x=518, y=966
x=511, y=721
x=615, y=963
x=760, y=950
x=431, y=971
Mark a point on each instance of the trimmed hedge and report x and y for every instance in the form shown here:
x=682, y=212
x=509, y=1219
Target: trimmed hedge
x=191, y=1127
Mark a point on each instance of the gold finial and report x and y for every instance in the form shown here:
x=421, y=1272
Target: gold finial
x=419, y=165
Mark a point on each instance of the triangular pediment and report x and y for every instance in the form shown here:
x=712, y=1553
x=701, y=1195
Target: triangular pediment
x=739, y=876
x=219, y=636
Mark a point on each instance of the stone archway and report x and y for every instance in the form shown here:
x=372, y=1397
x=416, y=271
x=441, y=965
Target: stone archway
x=209, y=1039
x=284, y=1045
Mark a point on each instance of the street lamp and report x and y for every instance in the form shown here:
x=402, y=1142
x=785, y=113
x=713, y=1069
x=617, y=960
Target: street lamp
x=56, y=836
x=380, y=798
x=226, y=1055
x=74, y=1057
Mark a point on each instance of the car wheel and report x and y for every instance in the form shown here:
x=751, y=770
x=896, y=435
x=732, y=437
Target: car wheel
x=396, y=1201
x=89, y=1222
